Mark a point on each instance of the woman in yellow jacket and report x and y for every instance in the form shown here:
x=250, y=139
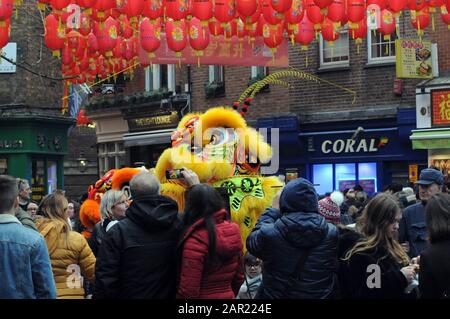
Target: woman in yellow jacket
x=69, y=252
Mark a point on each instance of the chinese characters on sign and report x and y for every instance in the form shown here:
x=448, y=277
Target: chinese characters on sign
x=413, y=59
x=222, y=51
x=441, y=107
x=43, y=142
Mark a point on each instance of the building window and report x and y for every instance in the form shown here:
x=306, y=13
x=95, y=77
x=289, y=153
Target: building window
x=216, y=74
x=379, y=49
x=337, y=53
x=110, y=156
x=330, y=177
x=259, y=72
x=160, y=77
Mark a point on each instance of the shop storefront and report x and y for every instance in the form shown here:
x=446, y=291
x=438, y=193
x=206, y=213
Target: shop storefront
x=433, y=122
x=372, y=154
x=34, y=149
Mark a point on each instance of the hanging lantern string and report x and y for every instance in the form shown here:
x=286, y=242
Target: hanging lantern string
x=105, y=79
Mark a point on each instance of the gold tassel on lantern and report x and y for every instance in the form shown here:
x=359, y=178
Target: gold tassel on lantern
x=432, y=22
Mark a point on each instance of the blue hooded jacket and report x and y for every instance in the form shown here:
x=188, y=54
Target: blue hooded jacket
x=281, y=238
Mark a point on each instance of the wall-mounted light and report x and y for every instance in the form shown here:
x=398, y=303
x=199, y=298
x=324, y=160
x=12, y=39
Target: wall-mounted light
x=82, y=164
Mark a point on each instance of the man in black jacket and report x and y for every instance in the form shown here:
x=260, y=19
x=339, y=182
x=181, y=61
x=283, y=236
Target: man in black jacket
x=137, y=259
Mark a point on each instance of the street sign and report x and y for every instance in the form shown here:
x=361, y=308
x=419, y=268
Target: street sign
x=9, y=51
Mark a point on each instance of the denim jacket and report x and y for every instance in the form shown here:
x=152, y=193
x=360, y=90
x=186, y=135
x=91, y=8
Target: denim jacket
x=25, y=268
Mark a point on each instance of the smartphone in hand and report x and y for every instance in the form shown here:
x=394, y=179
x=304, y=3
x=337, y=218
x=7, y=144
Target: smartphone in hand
x=174, y=174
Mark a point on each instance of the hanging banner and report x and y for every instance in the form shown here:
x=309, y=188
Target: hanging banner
x=440, y=107
x=222, y=51
x=413, y=59
x=413, y=172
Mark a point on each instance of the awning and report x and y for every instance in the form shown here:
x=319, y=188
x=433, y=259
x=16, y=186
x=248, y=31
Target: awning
x=148, y=138
x=430, y=139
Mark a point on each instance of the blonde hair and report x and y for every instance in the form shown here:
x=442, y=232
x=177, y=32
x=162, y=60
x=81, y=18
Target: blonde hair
x=54, y=206
x=109, y=199
x=378, y=215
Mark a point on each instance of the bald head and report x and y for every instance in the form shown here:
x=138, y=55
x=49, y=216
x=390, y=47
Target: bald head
x=144, y=184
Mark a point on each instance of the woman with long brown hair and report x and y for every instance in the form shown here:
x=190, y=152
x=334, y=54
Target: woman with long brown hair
x=69, y=252
x=377, y=266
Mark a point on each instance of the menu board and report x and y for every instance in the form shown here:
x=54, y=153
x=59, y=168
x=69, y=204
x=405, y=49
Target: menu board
x=413, y=59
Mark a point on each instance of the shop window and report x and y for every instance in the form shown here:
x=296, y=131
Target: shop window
x=215, y=87
x=160, y=77
x=38, y=186
x=337, y=53
x=345, y=176
x=52, y=176
x=216, y=74
x=323, y=178
x=379, y=49
x=367, y=177
x=110, y=156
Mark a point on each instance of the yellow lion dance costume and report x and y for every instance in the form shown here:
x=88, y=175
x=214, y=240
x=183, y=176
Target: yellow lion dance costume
x=224, y=152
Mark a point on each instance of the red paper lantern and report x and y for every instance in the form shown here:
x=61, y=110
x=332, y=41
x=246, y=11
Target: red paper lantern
x=397, y=5
x=271, y=16
x=272, y=34
x=105, y=5
x=356, y=10
x=202, y=10
x=295, y=14
x=5, y=33
x=336, y=11
x=54, y=38
x=379, y=4
x=150, y=36
x=322, y=4
x=215, y=28
x=176, y=9
x=100, y=16
x=249, y=20
x=420, y=20
x=85, y=24
x=387, y=23
x=6, y=10
x=246, y=8
x=281, y=6
x=176, y=36
x=153, y=9
x=417, y=4
x=360, y=32
x=445, y=15
x=328, y=31
x=230, y=29
x=59, y=5
x=87, y=4
x=313, y=12
x=305, y=34
x=132, y=8
x=224, y=11
x=107, y=37
x=92, y=43
x=198, y=36
x=117, y=51
x=436, y=3
x=127, y=30
x=67, y=57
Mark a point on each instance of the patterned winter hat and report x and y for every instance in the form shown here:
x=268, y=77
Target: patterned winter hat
x=330, y=210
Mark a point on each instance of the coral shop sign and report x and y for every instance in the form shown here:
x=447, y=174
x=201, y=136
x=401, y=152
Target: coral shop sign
x=353, y=146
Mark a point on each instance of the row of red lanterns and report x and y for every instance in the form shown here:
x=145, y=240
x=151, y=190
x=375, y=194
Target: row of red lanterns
x=111, y=32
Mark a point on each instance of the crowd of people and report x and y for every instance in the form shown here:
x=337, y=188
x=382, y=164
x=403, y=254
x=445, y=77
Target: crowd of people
x=395, y=244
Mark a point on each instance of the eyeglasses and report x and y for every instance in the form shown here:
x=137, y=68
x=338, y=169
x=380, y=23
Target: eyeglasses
x=253, y=265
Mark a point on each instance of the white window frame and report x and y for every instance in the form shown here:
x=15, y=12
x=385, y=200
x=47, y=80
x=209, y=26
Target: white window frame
x=255, y=71
x=385, y=59
x=153, y=78
x=104, y=155
x=335, y=64
x=212, y=74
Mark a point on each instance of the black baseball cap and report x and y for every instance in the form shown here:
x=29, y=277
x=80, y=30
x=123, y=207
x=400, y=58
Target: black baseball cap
x=429, y=176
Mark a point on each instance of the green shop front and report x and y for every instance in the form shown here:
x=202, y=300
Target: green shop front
x=34, y=149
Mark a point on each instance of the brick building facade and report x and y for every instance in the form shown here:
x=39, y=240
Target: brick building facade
x=312, y=106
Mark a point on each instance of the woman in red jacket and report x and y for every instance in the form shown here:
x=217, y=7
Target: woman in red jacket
x=211, y=248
